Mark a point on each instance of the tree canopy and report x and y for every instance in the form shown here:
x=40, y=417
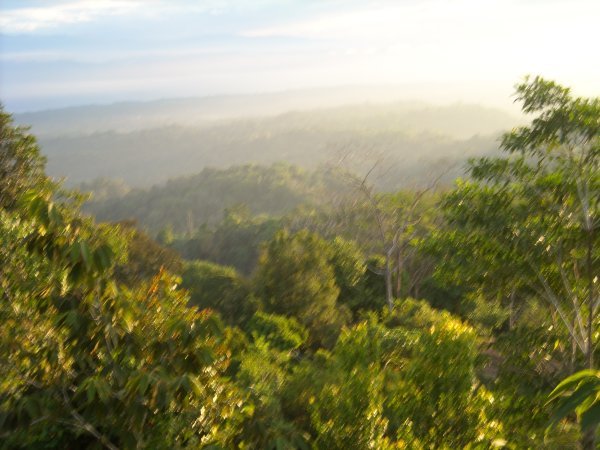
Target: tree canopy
x=324, y=313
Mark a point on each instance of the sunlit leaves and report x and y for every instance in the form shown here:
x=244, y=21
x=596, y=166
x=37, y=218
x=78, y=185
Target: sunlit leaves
x=523, y=232
x=84, y=359
x=296, y=278
x=578, y=393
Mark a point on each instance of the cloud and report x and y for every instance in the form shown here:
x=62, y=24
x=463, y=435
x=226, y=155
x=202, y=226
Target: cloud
x=31, y=19
x=375, y=22
x=42, y=15
x=436, y=20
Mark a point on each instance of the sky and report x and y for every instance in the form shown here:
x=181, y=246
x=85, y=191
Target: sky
x=72, y=52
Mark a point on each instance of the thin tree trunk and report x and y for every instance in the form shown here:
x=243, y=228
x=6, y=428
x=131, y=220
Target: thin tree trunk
x=591, y=306
x=388, y=282
x=399, y=276
x=588, y=438
x=573, y=364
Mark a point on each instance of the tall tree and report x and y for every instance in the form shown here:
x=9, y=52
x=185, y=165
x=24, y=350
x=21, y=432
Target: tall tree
x=21, y=164
x=86, y=362
x=528, y=222
x=295, y=278
x=395, y=219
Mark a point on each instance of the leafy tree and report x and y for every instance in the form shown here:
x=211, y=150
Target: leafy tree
x=85, y=362
x=389, y=386
x=165, y=236
x=282, y=333
x=437, y=390
x=145, y=257
x=395, y=223
x=21, y=164
x=219, y=288
x=386, y=227
x=531, y=217
x=350, y=270
x=186, y=203
x=264, y=373
x=235, y=241
x=264, y=369
x=295, y=278
x=578, y=393
x=339, y=396
x=529, y=222
x=520, y=367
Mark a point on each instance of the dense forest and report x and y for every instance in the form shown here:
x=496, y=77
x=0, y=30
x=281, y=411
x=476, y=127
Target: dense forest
x=282, y=307
x=415, y=139
x=203, y=198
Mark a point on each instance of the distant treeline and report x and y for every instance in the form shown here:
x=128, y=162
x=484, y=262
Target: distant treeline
x=183, y=204
x=413, y=140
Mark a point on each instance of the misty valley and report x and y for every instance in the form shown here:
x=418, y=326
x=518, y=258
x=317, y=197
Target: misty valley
x=376, y=275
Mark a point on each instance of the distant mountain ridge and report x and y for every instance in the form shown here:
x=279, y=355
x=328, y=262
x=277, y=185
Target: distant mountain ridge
x=137, y=115
x=412, y=137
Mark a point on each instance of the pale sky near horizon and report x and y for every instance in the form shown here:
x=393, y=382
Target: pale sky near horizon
x=71, y=52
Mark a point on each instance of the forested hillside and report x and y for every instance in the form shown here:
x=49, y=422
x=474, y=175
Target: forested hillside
x=185, y=203
x=333, y=103
x=275, y=307
x=414, y=139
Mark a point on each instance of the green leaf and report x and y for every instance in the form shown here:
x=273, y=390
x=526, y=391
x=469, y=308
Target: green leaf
x=85, y=254
x=570, y=382
x=74, y=252
x=102, y=257
x=143, y=383
x=128, y=319
x=280, y=444
x=591, y=417
x=31, y=407
x=54, y=215
x=196, y=386
x=570, y=403
x=76, y=273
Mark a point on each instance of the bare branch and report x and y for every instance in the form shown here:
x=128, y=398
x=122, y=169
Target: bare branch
x=83, y=424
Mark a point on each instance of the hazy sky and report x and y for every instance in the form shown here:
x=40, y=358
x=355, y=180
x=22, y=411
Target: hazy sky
x=57, y=53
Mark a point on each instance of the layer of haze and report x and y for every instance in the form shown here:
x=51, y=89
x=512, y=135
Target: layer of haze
x=65, y=53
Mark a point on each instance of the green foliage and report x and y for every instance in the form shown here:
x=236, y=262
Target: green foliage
x=263, y=373
x=295, y=278
x=145, y=257
x=87, y=362
x=520, y=366
x=396, y=387
x=342, y=394
x=219, y=288
x=525, y=225
x=281, y=333
x=525, y=228
x=386, y=229
x=165, y=236
x=100, y=346
x=350, y=272
x=188, y=202
x=437, y=390
x=347, y=411
x=235, y=241
x=83, y=356
x=412, y=314
x=21, y=164
x=578, y=393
